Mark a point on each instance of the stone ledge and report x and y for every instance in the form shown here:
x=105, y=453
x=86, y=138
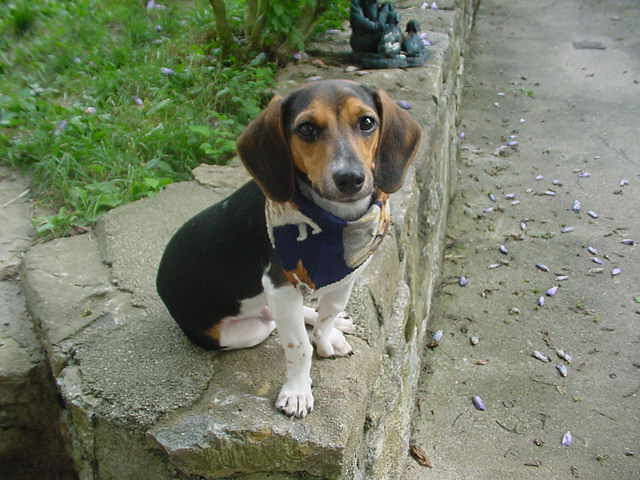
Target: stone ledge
x=142, y=402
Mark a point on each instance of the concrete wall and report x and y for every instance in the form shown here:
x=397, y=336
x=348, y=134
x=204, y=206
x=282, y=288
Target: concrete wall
x=142, y=402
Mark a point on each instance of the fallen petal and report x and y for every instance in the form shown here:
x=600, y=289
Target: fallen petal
x=616, y=271
x=542, y=266
x=478, y=403
x=523, y=226
x=550, y=193
x=567, y=229
x=561, y=278
x=494, y=265
x=463, y=281
x=564, y=355
x=567, y=440
x=592, y=214
x=437, y=335
x=515, y=202
x=562, y=370
x=576, y=206
x=492, y=197
x=597, y=260
x=557, y=182
x=167, y=71
x=540, y=356
x=541, y=301
x=584, y=174
x=628, y=241
x=404, y=104
x=504, y=250
x=474, y=340
x=552, y=291
x=510, y=196
x=539, y=177
x=593, y=251
x=624, y=182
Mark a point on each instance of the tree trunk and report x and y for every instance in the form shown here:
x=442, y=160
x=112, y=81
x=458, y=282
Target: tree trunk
x=222, y=26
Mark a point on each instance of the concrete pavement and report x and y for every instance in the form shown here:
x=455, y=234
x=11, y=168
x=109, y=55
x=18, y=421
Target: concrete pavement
x=562, y=80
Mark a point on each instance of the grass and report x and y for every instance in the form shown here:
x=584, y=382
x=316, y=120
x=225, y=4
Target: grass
x=105, y=102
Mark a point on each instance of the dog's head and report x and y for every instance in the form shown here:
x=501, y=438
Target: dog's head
x=342, y=138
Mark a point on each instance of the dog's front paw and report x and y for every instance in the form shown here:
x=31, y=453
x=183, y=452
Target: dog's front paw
x=295, y=399
x=332, y=344
x=344, y=323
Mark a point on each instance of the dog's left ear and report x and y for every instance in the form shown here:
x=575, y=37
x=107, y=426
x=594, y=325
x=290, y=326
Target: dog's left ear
x=398, y=144
x=265, y=152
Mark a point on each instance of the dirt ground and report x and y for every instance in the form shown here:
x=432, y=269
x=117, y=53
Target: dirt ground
x=561, y=79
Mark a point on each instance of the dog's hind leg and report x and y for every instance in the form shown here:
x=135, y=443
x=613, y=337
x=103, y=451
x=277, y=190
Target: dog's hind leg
x=251, y=326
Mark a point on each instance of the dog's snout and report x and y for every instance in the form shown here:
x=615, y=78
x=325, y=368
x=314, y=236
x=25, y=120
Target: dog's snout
x=349, y=181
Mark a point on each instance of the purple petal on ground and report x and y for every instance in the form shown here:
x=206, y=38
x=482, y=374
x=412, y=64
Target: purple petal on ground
x=509, y=196
x=404, y=104
x=60, y=126
x=597, y=260
x=461, y=135
x=504, y=250
x=628, y=241
x=550, y=193
x=541, y=301
x=561, y=278
x=513, y=143
x=552, y=291
x=523, y=226
x=463, y=281
x=540, y=356
x=577, y=206
x=492, y=197
x=592, y=251
x=616, y=271
x=437, y=335
x=592, y=214
x=478, y=403
x=515, y=202
x=167, y=71
x=539, y=177
x=567, y=440
x=564, y=355
x=434, y=6
x=624, y=182
x=487, y=210
x=567, y=229
x=137, y=100
x=542, y=266
x=584, y=174
x=557, y=182
x=562, y=370
x=494, y=265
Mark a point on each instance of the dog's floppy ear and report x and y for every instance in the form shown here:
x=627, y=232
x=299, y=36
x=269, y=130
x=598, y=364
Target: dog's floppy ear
x=398, y=144
x=265, y=152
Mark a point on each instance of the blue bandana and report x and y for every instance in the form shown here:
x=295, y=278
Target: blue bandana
x=318, y=249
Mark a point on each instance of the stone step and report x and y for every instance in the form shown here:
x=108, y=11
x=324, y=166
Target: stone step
x=142, y=402
x=30, y=442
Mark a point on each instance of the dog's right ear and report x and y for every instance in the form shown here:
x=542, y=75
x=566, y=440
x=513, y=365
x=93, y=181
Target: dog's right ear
x=265, y=152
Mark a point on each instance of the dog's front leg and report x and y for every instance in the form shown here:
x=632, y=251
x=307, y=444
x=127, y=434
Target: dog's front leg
x=331, y=322
x=285, y=302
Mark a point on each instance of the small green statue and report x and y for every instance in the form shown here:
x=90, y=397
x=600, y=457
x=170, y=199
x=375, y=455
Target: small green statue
x=376, y=38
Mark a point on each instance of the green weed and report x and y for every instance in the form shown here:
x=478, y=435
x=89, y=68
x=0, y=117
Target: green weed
x=87, y=108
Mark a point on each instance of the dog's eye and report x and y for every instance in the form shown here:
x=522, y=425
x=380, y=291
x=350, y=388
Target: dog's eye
x=366, y=123
x=307, y=130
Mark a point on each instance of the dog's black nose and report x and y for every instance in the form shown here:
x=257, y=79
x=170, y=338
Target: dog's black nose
x=348, y=181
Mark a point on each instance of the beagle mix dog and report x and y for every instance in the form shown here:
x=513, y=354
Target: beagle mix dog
x=323, y=160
